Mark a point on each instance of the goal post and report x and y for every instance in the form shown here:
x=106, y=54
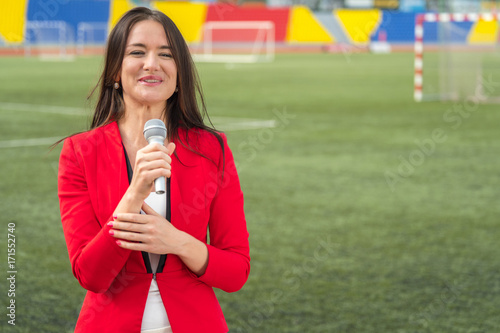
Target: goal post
x=452, y=65
x=237, y=42
x=90, y=34
x=49, y=39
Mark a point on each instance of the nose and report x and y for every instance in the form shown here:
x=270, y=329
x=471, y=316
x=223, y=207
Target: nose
x=151, y=62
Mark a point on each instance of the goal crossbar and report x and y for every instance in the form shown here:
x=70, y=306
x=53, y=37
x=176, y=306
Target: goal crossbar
x=61, y=28
x=86, y=28
x=420, y=19
x=264, y=41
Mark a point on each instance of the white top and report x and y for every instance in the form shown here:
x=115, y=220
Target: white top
x=155, y=315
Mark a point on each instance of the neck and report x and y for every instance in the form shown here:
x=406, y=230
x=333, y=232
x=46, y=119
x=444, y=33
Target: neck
x=131, y=125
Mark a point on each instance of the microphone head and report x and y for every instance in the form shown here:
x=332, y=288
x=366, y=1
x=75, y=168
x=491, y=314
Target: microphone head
x=155, y=128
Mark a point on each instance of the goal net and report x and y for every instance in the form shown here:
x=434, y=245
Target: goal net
x=90, y=34
x=49, y=40
x=236, y=42
x=457, y=56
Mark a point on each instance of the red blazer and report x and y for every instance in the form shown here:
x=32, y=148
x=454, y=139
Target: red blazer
x=92, y=180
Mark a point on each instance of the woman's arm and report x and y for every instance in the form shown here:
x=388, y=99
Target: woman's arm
x=225, y=263
x=151, y=162
x=228, y=252
x=95, y=258
x=153, y=233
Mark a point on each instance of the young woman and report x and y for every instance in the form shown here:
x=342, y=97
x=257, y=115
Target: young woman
x=144, y=257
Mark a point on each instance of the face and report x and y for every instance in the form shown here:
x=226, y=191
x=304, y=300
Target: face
x=148, y=74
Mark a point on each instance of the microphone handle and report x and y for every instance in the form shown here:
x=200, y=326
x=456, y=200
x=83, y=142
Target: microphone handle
x=160, y=185
x=159, y=182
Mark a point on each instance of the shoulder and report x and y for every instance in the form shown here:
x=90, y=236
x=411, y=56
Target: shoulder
x=211, y=145
x=88, y=141
x=94, y=134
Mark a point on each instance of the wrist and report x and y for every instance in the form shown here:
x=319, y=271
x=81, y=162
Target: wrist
x=186, y=242
x=194, y=254
x=130, y=203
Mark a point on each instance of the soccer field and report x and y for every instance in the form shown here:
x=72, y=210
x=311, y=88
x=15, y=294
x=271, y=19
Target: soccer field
x=367, y=212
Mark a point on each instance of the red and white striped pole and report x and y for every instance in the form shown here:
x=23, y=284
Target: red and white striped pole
x=419, y=52
x=419, y=39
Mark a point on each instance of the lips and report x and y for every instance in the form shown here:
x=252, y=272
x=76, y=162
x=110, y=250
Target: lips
x=151, y=80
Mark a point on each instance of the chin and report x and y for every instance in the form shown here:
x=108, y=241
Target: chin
x=153, y=100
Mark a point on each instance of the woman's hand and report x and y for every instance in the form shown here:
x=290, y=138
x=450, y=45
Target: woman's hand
x=153, y=233
x=151, y=162
x=148, y=232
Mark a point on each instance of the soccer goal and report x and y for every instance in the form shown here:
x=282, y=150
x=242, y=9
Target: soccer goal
x=237, y=42
x=457, y=56
x=50, y=40
x=90, y=34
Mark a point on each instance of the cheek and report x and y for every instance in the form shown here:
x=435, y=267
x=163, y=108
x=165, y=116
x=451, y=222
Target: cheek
x=171, y=70
x=174, y=76
x=128, y=71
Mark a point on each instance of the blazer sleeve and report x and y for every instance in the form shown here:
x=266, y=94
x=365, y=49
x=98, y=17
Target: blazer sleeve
x=229, y=252
x=95, y=258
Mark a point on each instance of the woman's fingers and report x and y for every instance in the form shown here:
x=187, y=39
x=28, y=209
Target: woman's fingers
x=152, y=162
x=170, y=148
x=140, y=232
x=153, y=157
x=128, y=236
x=149, y=211
x=148, y=232
x=131, y=227
x=151, y=166
x=130, y=218
x=143, y=157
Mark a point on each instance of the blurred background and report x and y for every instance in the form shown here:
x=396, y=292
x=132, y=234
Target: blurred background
x=366, y=138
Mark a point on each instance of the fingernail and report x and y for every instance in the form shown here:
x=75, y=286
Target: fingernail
x=111, y=232
x=115, y=217
x=118, y=242
x=110, y=223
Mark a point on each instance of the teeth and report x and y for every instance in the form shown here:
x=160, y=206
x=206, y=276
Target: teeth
x=151, y=81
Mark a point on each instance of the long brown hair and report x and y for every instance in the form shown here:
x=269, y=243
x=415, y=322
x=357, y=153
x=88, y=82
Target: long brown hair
x=182, y=109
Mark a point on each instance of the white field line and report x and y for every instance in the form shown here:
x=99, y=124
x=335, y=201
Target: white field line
x=222, y=119
x=247, y=125
x=28, y=142
x=228, y=123
x=222, y=123
x=72, y=111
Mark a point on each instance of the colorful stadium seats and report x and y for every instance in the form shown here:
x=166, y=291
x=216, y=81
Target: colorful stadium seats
x=118, y=8
x=303, y=27
x=12, y=19
x=483, y=32
x=71, y=12
x=279, y=16
x=359, y=24
x=188, y=16
x=293, y=25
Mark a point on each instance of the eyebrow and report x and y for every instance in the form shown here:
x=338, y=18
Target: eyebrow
x=163, y=47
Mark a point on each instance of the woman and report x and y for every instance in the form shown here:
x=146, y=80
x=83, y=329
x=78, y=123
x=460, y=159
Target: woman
x=143, y=257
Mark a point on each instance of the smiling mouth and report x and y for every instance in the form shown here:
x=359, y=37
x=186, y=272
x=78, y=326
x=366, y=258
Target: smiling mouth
x=151, y=81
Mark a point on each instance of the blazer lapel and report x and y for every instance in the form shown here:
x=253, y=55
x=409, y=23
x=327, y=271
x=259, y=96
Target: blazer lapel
x=174, y=195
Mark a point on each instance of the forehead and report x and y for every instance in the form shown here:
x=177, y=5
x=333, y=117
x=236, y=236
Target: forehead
x=148, y=32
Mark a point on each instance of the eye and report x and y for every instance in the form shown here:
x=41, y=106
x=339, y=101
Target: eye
x=166, y=55
x=136, y=53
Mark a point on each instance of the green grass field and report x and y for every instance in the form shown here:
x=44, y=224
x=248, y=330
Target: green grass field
x=367, y=212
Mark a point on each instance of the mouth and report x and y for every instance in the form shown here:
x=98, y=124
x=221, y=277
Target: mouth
x=151, y=80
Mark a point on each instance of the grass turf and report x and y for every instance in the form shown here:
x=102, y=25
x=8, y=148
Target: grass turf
x=367, y=212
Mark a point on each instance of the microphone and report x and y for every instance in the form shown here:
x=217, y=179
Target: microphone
x=156, y=132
